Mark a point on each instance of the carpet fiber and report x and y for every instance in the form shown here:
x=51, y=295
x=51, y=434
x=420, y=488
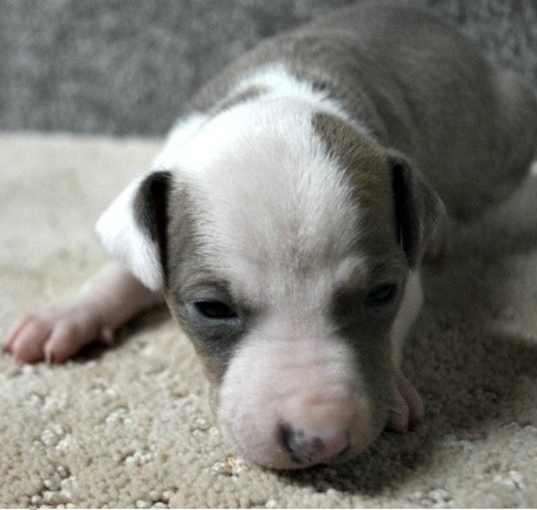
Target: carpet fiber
x=130, y=425
x=129, y=67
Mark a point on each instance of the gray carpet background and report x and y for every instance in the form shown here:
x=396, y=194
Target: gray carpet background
x=126, y=66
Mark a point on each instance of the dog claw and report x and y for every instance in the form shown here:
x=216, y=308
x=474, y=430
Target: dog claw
x=49, y=357
x=407, y=409
x=107, y=336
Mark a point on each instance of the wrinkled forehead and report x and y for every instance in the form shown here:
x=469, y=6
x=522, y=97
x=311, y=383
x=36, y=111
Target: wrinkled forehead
x=291, y=192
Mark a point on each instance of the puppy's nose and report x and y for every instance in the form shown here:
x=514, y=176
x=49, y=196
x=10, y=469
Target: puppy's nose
x=304, y=448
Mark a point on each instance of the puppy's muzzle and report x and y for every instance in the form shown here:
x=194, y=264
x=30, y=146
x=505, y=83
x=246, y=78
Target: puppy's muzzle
x=313, y=428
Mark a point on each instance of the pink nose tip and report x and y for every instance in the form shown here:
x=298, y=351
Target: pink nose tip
x=307, y=449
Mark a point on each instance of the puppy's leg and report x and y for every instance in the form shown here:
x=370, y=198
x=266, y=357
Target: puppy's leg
x=104, y=303
x=407, y=406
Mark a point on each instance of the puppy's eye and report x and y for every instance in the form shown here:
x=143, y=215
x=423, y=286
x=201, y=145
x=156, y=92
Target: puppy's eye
x=381, y=295
x=215, y=310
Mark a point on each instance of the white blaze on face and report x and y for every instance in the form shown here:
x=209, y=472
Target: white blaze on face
x=279, y=221
x=267, y=184
x=293, y=370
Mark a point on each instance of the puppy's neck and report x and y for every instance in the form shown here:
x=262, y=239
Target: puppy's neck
x=261, y=98
x=275, y=82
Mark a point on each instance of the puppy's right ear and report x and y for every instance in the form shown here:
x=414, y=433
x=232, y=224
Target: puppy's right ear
x=134, y=228
x=420, y=214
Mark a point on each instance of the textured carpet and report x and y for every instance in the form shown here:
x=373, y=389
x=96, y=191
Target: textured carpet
x=128, y=67
x=130, y=425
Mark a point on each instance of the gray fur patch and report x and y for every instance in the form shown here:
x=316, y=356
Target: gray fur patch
x=188, y=274
x=366, y=166
x=400, y=209
x=237, y=98
x=419, y=87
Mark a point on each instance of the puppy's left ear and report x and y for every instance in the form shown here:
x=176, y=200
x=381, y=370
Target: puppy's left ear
x=134, y=228
x=420, y=214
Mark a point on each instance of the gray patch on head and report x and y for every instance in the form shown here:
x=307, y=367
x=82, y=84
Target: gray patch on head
x=182, y=245
x=188, y=273
x=366, y=166
x=398, y=204
x=236, y=98
x=418, y=86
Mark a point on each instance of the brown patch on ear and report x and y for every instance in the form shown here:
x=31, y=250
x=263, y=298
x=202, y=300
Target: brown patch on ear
x=420, y=214
x=401, y=211
x=407, y=224
x=151, y=212
x=366, y=165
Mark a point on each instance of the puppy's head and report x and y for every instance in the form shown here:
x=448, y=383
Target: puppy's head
x=283, y=241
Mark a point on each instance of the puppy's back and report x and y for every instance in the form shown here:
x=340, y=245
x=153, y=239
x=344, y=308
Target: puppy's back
x=416, y=85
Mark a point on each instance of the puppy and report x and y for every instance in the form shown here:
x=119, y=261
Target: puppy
x=288, y=215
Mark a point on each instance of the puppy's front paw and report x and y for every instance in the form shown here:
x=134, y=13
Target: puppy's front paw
x=407, y=409
x=55, y=335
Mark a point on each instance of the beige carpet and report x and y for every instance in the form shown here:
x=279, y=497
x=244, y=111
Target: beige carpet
x=129, y=426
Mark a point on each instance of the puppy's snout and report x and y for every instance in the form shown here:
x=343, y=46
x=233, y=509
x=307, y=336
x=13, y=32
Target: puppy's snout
x=314, y=430
x=296, y=414
x=305, y=449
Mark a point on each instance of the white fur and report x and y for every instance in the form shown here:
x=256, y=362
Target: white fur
x=117, y=228
x=123, y=239
x=181, y=133
x=304, y=375
x=280, y=223
x=280, y=83
x=409, y=309
x=277, y=83
x=258, y=156
x=265, y=158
